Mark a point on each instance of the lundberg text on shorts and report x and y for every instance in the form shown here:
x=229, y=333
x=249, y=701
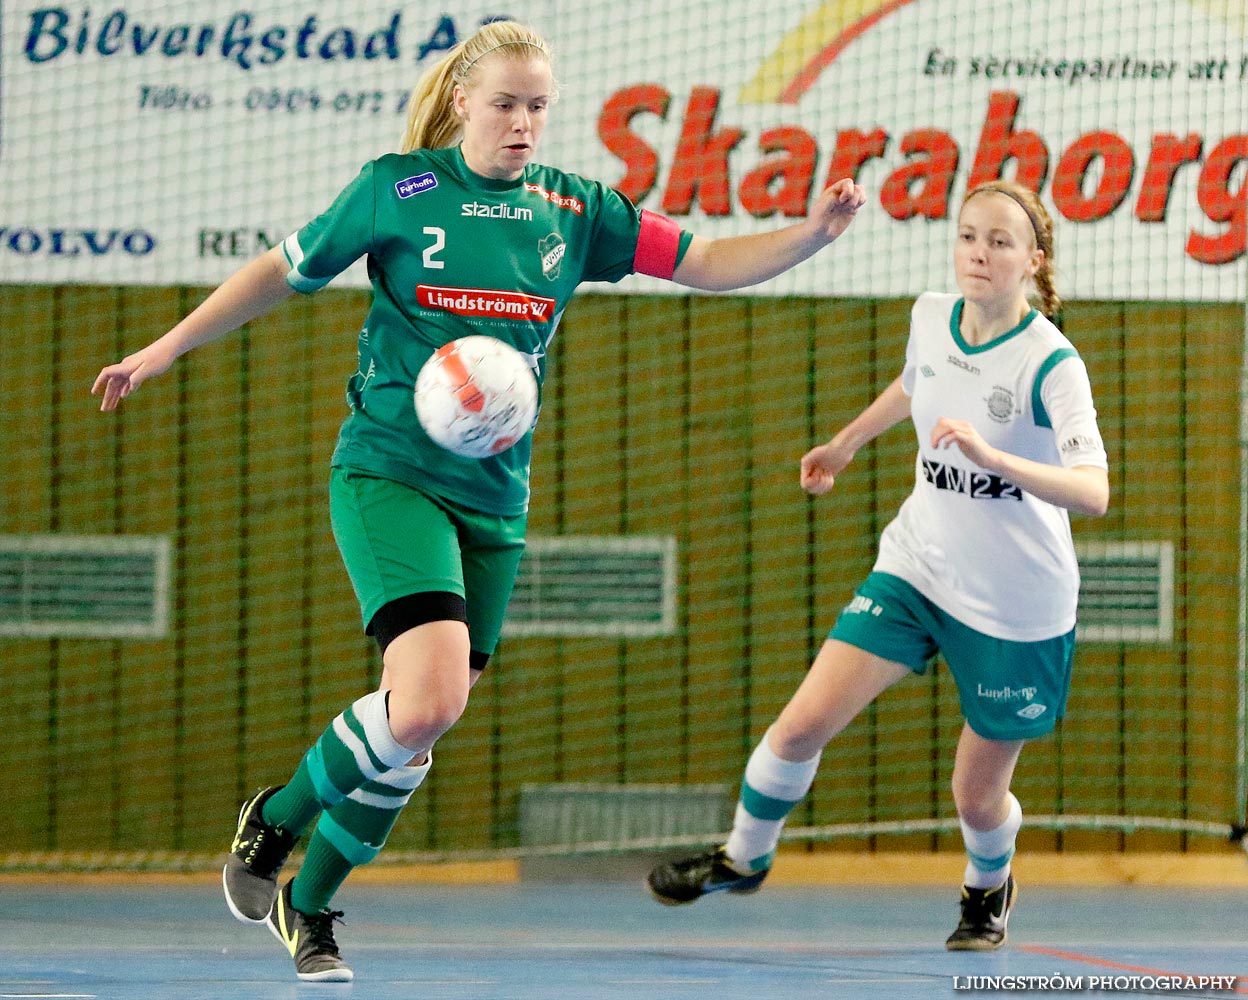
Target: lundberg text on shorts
x=1176, y=983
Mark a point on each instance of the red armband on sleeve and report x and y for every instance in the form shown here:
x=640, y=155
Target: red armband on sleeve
x=658, y=242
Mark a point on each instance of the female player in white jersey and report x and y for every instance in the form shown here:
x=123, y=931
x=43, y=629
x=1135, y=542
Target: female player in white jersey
x=432, y=541
x=978, y=564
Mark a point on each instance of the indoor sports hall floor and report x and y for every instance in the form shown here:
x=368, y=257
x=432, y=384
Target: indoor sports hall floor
x=172, y=938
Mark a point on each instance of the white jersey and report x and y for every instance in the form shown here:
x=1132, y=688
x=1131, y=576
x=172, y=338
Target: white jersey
x=991, y=555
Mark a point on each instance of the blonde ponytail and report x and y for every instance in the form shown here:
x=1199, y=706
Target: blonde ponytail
x=431, y=119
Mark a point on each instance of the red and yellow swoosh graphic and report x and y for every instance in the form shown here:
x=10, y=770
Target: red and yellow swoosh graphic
x=810, y=48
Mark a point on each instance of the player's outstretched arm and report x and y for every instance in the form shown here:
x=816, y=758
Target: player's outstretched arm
x=738, y=261
x=251, y=291
x=823, y=463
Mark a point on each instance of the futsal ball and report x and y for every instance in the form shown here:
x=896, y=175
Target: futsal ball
x=476, y=396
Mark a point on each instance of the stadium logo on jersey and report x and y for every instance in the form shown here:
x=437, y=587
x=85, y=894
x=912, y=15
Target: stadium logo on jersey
x=552, y=249
x=976, y=485
x=966, y=366
x=1000, y=404
x=475, y=210
x=558, y=200
x=488, y=303
x=418, y=184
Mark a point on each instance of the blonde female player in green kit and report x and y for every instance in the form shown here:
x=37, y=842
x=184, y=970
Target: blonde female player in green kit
x=978, y=564
x=462, y=232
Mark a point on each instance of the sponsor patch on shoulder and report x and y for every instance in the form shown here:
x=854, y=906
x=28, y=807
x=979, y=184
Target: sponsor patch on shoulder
x=1080, y=442
x=418, y=184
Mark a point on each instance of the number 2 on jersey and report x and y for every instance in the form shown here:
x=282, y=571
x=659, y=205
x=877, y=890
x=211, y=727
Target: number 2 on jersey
x=439, y=243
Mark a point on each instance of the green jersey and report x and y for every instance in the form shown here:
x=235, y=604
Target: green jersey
x=451, y=253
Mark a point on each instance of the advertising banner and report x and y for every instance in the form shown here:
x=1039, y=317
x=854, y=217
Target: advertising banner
x=165, y=143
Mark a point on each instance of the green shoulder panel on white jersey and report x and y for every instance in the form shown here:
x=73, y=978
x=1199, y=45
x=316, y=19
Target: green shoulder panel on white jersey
x=1038, y=411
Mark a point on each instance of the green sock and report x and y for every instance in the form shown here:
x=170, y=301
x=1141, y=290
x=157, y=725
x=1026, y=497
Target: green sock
x=293, y=806
x=352, y=833
x=357, y=747
x=323, y=871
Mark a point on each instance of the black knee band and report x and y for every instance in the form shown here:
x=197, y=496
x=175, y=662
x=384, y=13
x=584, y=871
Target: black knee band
x=396, y=617
x=476, y=660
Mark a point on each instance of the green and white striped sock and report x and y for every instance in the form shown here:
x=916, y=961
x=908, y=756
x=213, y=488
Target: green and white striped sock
x=771, y=788
x=989, y=852
x=357, y=747
x=352, y=833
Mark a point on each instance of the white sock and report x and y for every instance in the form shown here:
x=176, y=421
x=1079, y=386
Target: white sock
x=772, y=787
x=990, y=851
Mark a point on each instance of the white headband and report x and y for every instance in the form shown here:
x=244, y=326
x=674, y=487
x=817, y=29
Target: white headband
x=535, y=45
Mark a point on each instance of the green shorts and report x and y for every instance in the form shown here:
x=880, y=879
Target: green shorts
x=397, y=541
x=1008, y=690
